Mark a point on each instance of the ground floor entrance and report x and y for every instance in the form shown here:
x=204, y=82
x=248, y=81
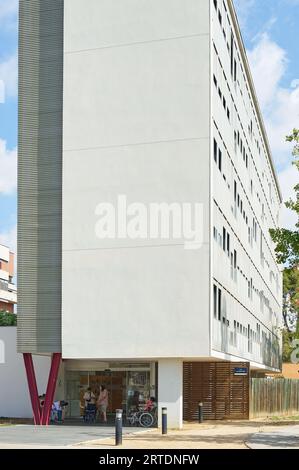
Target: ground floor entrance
x=222, y=387
x=128, y=385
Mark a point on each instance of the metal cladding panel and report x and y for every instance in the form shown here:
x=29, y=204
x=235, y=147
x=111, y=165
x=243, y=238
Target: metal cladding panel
x=40, y=175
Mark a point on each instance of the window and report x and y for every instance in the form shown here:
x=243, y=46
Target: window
x=219, y=304
x=228, y=243
x=232, y=53
x=235, y=70
x=215, y=300
x=219, y=17
x=219, y=159
x=215, y=234
x=215, y=4
x=235, y=259
x=224, y=239
x=215, y=150
x=215, y=81
x=235, y=333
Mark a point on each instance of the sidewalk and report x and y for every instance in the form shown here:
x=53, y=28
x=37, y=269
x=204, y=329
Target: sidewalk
x=286, y=438
x=211, y=435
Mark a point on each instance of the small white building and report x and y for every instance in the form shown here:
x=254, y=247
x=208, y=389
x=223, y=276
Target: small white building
x=14, y=396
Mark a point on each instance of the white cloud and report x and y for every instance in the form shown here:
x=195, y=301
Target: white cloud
x=8, y=166
x=243, y=8
x=268, y=64
x=280, y=104
x=9, y=238
x=9, y=75
x=8, y=13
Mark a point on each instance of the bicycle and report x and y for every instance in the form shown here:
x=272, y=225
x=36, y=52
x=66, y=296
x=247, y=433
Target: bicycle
x=145, y=419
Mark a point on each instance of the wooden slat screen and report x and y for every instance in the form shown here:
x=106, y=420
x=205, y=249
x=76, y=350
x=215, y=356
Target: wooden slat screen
x=223, y=394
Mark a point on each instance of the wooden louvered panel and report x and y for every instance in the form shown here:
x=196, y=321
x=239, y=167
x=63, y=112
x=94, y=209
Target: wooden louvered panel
x=223, y=394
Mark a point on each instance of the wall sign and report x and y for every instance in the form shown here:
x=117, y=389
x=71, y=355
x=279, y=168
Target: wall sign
x=241, y=371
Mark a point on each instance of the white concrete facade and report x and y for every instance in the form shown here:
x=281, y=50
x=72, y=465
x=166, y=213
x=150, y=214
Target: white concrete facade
x=137, y=127
x=170, y=391
x=14, y=396
x=158, y=98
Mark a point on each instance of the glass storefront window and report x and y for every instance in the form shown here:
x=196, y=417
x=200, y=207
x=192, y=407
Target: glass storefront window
x=127, y=388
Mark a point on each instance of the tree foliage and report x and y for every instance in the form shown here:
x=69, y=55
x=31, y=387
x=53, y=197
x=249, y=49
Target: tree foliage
x=287, y=253
x=7, y=318
x=287, y=241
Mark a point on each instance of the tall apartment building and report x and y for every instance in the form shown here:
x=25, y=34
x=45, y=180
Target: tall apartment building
x=8, y=291
x=152, y=100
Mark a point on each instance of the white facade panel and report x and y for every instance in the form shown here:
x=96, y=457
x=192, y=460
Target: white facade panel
x=136, y=123
x=14, y=394
x=141, y=93
x=124, y=22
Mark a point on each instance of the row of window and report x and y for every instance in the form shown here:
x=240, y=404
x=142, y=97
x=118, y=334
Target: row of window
x=255, y=233
x=239, y=330
x=223, y=239
x=222, y=98
x=235, y=64
x=239, y=144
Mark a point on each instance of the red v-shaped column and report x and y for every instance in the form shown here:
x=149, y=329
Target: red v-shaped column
x=42, y=415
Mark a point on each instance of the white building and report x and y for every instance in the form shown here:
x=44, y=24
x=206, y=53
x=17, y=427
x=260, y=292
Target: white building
x=14, y=398
x=8, y=291
x=151, y=99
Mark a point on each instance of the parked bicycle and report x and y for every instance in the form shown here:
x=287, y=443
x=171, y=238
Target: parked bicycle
x=142, y=418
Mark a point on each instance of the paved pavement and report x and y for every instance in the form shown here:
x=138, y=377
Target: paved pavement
x=54, y=436
x=284, y=438
x=229, y=435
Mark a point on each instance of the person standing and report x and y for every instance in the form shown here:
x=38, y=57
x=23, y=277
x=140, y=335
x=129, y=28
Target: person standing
x=103, y=403
x=89, y=397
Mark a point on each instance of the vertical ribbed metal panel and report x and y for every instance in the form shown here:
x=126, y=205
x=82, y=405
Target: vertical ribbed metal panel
x=40, y=175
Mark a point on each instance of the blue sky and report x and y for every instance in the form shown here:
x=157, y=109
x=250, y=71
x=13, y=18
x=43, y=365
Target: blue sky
x=270, y=32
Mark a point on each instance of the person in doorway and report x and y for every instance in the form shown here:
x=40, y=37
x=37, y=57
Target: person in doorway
x=103, y=403
x=56, y=412
x=89, y=397
x=136, y=400
x=150, y=404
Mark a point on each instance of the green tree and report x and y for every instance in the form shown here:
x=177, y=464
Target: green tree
x=287, y=241
x=287, y=253
x=290, y=330
x=7, y=318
